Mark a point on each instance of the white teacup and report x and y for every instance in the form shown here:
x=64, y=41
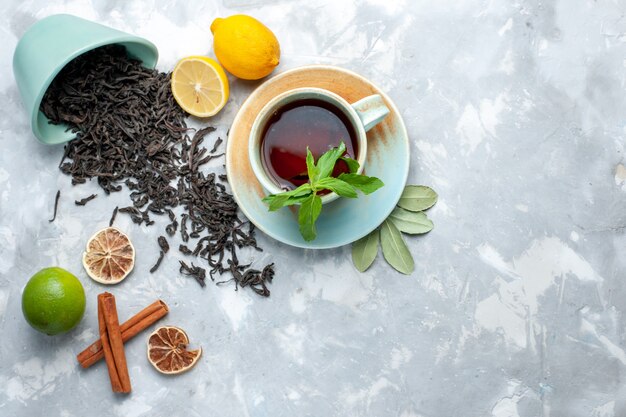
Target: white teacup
x=362, y=115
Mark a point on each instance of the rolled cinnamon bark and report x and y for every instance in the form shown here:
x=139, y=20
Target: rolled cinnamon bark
x=115, y=339
x=116, y=385
x=130, y=328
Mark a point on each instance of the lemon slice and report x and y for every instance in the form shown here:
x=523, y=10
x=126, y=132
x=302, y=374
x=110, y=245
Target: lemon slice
x=200, y=86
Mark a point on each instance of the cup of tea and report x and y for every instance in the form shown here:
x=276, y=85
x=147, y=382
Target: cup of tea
x=48, y=46
x=309, y=117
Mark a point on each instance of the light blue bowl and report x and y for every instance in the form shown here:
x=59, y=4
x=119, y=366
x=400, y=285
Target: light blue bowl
x=52, y=43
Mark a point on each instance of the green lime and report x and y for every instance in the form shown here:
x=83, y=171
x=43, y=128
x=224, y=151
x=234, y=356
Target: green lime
x=53, y=301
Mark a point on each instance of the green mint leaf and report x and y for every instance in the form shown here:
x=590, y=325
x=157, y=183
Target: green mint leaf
x=413, y=223
x=297, y=199
x=312, y=170
x=366, y=184
x=277, y=201
x=364, y=251
x=327, y=161
x=308, y=214
x=353, y=164
x=395, y=251
x=417, y=198
x=340, y=187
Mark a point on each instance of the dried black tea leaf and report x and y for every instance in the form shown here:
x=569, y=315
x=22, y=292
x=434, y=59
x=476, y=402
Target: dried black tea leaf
x=56, y=206
x=194, y=271
x=158, y=262
x=130, y=131
x=184, y=250
x=85, y=200
x=113, y=216
x=165, y=247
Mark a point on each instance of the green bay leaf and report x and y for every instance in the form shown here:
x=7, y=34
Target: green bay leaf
x=364, y=251
x=413, y=223
x=417, y=198
x=395, y=251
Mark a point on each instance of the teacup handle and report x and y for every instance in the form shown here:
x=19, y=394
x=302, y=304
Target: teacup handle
x=371, y=110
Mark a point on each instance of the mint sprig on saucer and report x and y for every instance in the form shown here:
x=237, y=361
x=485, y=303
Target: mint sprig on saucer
x=320, y=179
x=408, y=217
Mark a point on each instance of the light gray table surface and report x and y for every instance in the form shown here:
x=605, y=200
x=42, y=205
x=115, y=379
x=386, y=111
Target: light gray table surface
x=516, y=114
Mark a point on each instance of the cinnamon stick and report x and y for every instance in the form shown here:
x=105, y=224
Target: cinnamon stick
x=130, y=328
x=115, y=339
x=116, y=385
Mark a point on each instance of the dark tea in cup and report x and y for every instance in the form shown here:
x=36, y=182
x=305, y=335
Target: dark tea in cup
x=313, y=117
x=311, y=122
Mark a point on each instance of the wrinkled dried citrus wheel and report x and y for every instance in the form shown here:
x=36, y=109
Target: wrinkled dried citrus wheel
x=167, y=350
x=109, y=256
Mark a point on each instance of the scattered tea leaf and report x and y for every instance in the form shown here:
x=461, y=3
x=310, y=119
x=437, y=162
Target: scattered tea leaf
x=395, y=250
x=130, y=131
x=56, y=206
x=165, y=247
x=340, y=187
x=216, y=145
x=85, y=200
x=184, y=249
x=364, y=251
x=309, y=212
x=113, y=216
x=198, y=273
x=158, y=262
x=413, y=223
x=417, y=198
x=254, y=279
x=366, y=184
x=171, y=228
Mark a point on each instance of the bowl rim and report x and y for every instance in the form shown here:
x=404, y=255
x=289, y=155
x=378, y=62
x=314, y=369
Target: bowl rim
x=37, y=116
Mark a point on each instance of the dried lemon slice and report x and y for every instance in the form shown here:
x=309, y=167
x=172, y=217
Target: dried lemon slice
x=200, y=86
x=109, y=256
x=167, y=350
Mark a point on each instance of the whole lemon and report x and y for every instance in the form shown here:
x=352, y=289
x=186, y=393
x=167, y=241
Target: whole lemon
x=245, y=46
x=53, y=301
